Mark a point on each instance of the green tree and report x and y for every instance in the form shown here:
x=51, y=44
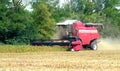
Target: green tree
x=43, y=21
x=4, y=21
x=15, y=23
x=112, y=17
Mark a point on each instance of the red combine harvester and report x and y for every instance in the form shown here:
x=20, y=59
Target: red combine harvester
x=74, y=34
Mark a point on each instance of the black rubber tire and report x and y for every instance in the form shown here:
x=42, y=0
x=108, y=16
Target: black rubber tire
x=93, y=45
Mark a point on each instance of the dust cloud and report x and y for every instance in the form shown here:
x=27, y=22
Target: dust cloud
x=109, y=44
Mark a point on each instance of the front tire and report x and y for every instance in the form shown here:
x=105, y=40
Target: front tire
x=93, y=45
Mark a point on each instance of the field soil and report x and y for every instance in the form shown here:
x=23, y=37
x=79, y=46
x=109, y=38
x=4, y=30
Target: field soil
x=106, y=58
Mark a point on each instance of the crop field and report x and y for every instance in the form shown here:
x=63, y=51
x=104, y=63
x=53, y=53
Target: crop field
x=106, y=58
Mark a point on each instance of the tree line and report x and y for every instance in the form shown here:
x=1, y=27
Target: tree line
x=20, y=26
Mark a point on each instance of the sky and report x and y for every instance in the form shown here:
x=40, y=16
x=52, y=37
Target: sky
x=63, y=1
x=28, y=7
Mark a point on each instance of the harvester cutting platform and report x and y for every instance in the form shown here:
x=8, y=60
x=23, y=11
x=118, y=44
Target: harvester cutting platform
x=74, y=34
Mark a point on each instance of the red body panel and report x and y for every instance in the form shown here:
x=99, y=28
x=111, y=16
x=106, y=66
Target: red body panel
x=85, y=34
x=76, y=45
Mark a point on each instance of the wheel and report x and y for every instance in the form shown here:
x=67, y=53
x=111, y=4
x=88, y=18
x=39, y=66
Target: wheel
x=93, y=45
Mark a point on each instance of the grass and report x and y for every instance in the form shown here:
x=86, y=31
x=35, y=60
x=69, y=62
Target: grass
x=87, y=60
x=47, y=58
x=28, y=48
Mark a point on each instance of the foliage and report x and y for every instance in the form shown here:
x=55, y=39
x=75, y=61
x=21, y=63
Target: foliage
x=43, y=21
x=15, y=23
x=112, y=18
